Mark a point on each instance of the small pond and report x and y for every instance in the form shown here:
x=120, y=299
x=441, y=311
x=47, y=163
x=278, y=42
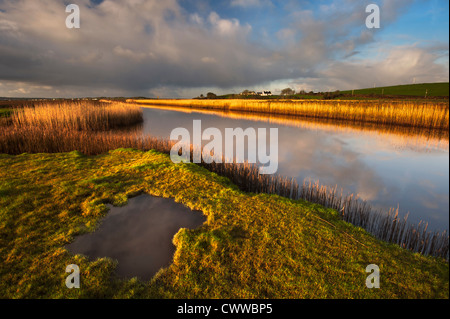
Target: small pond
x=138, y=235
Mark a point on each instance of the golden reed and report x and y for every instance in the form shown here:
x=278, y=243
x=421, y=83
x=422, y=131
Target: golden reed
x=85, y=115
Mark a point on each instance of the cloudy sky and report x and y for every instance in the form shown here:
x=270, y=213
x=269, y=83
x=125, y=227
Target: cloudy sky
x=182, y=48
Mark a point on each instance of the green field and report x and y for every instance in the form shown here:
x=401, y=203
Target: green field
x=433, y=90
x=251, y=246
x=410, y=90
x=419, y=90
x=5, y=112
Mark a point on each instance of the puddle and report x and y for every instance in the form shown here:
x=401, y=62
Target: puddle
x=138, y=235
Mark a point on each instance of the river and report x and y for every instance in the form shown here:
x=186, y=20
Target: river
x=385, y=166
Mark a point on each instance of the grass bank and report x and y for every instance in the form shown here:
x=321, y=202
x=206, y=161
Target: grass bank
x=251, y=246
x=5, y=112
x=433, y=115
x=419, y=90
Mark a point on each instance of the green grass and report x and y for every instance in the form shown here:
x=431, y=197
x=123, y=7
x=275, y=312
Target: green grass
x=434, y=90
x=5, y=112
x=408, y=91
x=251, y=246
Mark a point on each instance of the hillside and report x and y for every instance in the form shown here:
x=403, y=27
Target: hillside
x=430, y=89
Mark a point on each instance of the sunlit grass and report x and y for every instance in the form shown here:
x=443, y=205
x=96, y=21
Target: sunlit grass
x=251, y=246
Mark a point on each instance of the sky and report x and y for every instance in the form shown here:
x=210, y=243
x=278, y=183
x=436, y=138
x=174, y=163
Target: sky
x=184, y=48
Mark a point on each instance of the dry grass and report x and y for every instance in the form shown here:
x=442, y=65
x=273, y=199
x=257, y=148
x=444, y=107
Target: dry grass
x=79, y=116
x=66, y=126
x=16, y=141
x=406, y=113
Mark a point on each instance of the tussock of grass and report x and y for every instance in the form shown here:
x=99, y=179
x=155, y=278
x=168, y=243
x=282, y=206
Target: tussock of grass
x=252, y=246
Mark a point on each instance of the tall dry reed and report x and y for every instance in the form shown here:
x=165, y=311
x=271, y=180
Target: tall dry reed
x=79, y=116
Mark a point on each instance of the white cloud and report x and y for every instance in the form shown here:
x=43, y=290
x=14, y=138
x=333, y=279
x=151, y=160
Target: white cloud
x=207, y=60
x=227, y=27
x=196, y=18
x=396, y=65
x=8, y=26
x=135, y=56
x=250, y=3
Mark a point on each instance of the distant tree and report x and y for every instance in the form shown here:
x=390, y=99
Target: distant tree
x=287, y=91
x=332, y=95
x=202, y=96
x=210, y=95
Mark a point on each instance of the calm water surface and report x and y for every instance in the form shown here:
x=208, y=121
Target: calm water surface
x=386, y=168
x=138, y=235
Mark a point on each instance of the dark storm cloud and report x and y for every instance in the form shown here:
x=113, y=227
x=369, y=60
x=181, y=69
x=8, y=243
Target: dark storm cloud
x=135, y=46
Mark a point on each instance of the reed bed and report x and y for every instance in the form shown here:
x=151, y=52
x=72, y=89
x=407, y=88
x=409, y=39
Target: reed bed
x=78, y=127
x=423, y=114
x=89, y=127
x=38, y=140
x=78, y=116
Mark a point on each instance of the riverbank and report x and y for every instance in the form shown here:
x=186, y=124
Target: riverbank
x=251, y=246
x=422, y=114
